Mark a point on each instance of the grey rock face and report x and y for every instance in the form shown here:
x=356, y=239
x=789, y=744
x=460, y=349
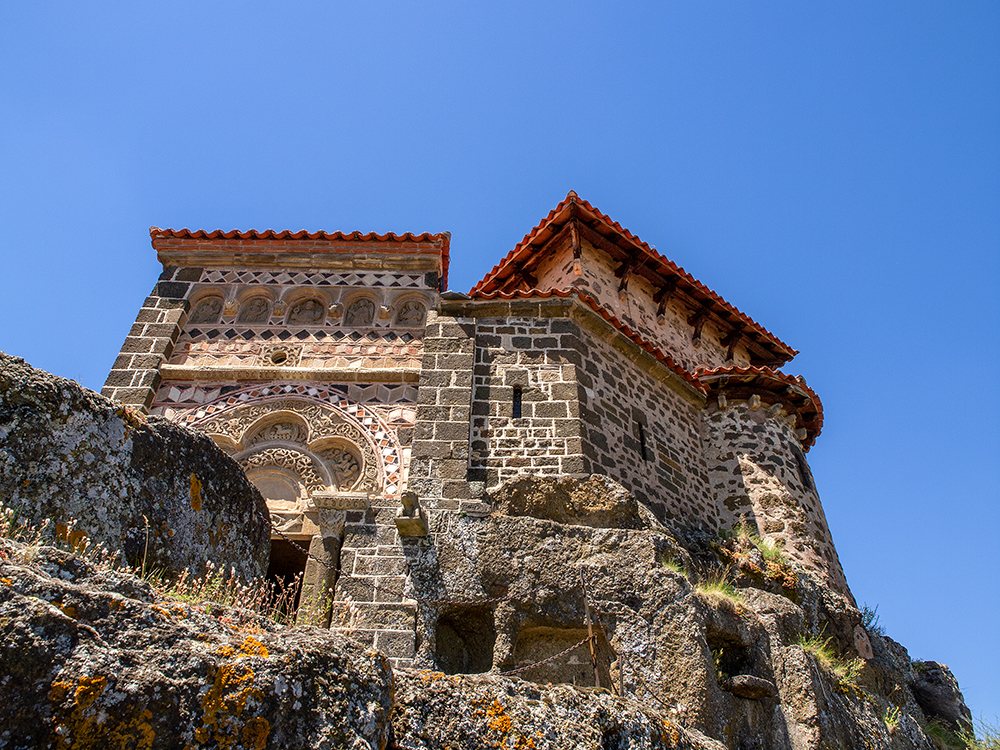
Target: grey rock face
x=734, y=670
x=68, y=454
x=91, y=658
x=937, y=692
x=481, y=712
x=597, y=501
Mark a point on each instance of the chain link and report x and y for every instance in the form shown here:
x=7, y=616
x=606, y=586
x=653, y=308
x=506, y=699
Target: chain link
x=549, y=659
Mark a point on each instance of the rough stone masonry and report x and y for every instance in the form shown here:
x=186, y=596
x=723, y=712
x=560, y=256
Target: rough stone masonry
x=339, y=372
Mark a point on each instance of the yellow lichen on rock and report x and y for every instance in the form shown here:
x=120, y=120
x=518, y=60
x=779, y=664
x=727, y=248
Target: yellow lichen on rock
x=252, y=647
x=195, y=493
x=89, y=690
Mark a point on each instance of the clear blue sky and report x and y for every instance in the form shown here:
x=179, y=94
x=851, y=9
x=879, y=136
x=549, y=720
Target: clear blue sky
x=830, y=168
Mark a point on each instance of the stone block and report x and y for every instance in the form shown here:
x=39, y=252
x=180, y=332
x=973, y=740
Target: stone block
x=396, y=643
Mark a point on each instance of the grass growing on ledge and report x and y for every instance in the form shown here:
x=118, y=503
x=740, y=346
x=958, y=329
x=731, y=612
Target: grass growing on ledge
x=285, y=604
x=845, y=670
x=672, y=565
x=717, y=589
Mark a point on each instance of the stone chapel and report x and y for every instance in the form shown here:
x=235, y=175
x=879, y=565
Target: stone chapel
x=369, y=403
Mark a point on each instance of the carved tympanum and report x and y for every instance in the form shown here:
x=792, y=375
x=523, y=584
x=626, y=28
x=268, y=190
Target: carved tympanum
x=207, y=311
x=361, y=313
x=257, y=310
x=287, y=431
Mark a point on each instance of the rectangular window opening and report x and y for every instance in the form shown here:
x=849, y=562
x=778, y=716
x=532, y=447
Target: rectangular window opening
x=516, y=404
x=643, y=448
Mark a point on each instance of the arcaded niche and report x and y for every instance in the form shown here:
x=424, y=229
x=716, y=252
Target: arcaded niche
x=373, y=407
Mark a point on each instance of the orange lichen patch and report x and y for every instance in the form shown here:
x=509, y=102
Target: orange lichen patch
x=255, y=733
x=670, y=734
x=7, y=581
x=427, y=676
x=69, y=610
x=130, y=416
x=89, y=690
x=161, y=610
x=497, y=718
x=195, y=493
x=252, y=647
x=225, y=651
x=59, y=690
x=224, y=702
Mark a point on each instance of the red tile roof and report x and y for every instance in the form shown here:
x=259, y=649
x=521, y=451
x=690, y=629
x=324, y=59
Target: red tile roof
x=574, y=206
x=601, y=310
x=440, y=241
x=791, y=390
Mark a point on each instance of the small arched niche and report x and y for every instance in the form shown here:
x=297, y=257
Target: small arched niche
x=255, y=310
x=277, y=427
x=343, y=460
x=207, y=310
x=306, y=312
x=410, y=312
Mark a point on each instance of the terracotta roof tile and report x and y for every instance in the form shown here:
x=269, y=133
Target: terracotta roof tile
x=572, y=202
x=441, y=240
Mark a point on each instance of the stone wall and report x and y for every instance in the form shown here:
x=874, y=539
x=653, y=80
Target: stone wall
x=759, y=474
x=643, y=429
x=533, y=362
x=135, y=375
x=671, y=332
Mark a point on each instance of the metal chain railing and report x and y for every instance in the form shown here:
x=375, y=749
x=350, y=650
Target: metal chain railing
x=592, y=638
x=547, y=659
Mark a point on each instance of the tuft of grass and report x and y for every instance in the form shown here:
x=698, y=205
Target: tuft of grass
x=672, y=565
x=845, y=671
x=718, y=589
x=989, y=736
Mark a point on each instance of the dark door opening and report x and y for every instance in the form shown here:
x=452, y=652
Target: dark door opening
x=285, y=572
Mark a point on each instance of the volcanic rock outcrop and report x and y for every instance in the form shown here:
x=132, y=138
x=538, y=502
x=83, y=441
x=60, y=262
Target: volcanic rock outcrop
x=164, y=496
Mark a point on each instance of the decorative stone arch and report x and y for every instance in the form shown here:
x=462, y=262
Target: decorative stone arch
x=362, y=309
x=334, y=423
x=306, y=308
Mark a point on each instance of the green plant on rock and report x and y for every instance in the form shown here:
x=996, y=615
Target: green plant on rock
x=845, y=671
x=988, y=739
x=738, y=545
x=717, y=589
x=869, y=620
x=668, y=562
x=891, y=718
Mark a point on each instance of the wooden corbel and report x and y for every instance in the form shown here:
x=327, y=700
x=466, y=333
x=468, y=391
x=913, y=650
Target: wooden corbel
x=624, y=273
x=698, y=321
x=730, y=342
x=574, y=238
x=662, y=297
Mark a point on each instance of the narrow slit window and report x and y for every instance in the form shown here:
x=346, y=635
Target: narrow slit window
x=643, y=449
x=516, y=403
